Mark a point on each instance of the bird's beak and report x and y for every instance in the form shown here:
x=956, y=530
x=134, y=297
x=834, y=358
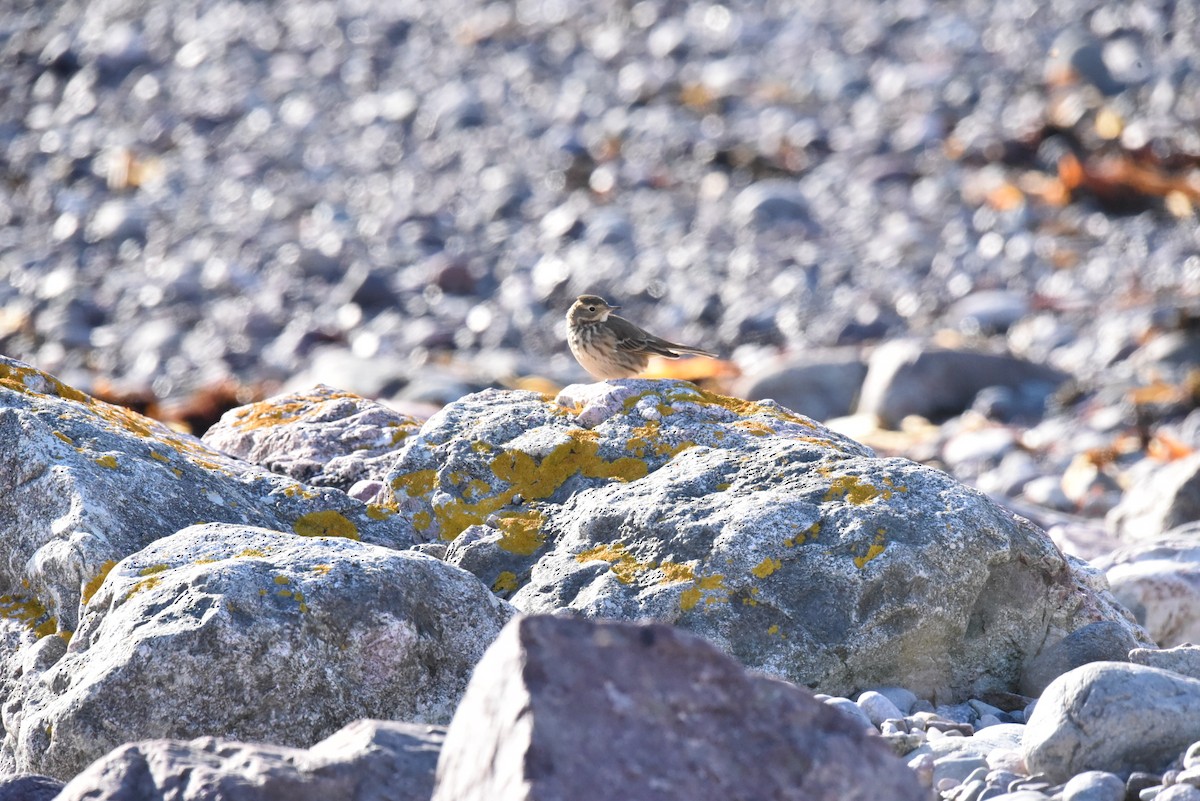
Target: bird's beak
x=613, y=308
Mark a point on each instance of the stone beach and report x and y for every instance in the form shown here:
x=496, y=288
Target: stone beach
x=290, y=439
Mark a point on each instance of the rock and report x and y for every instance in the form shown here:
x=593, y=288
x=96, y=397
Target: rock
x=1159, y=582
x=1095, y=642
x=1158, y=502
x=368, y=760
x=84, y=484
x=324, y=437
x=766, y=204
x=988, y=311
x=902, y=697
x=1179, y=792
x=878, y=707
x=906, y=377
x=1094, y=785
x=822, y=385
x=1112, y=716
x=268, y=636
x=1183, y=659
x=851, y=710
x=790, y=547
x=30, y=787
x=564, y=708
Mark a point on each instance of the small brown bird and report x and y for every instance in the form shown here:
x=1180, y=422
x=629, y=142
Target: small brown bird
x=608, y=346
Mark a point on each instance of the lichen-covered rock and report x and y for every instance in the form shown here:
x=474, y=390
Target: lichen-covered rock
x=256, y=635
x=85, y=483
x=324, y=437
x=792, y=548
x=574, y=710
x=369, y=760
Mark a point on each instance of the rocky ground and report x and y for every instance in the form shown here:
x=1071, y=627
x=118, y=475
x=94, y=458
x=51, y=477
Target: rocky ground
x=960, y=234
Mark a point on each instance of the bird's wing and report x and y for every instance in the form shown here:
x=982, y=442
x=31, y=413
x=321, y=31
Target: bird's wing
x=632, y=338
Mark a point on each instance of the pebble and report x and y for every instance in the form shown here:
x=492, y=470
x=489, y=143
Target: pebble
x=1094, y=785
x=878, y=707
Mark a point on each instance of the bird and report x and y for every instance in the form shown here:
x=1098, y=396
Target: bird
x=608, y=346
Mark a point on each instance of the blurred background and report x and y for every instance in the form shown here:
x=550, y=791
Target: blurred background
x=204, y=202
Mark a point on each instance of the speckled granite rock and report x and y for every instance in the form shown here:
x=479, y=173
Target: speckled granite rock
x=1161, y=500
x=84, y=483
x=256, y=635
x=789, y=546
x=324, y=437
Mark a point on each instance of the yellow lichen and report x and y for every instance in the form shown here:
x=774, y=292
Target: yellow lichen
x=377, y=512
x=417, y=484
x=766, y=567
x=321, y=570
x=29, y=611
x=108, y=461
x=299, y=491
x=505, y=582
x=64, y=437
x=265, y=414
x=282, y=580
x=522, y=533
x=327, y=523
x=158, y=457
x=714, y=585
x=532, y=480
x=90, y=588
x=852, y=490
x=625, y=566
x=873, y=550
x=152, y=569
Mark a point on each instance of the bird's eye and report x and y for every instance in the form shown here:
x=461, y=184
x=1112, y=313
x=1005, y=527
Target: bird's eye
x=591, y=308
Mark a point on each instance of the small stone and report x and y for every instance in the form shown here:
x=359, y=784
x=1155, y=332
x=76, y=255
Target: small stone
x=1008, y=760
x=878, y=707
x=1094, y=785
x=958, y=767
x=1178, y=792
x=1191, y=759
x=1189, y=776
x=923, y=765
x=848, y=707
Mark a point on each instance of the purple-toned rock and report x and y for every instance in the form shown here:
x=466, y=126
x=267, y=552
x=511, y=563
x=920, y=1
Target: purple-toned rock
x=569, y=709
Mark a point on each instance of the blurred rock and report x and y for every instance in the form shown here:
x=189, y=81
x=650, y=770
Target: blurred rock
x=908, y=377
x=368, y=760
x=1162, y=500
x=1159, y=582
x=821, y=385
x=580, y=710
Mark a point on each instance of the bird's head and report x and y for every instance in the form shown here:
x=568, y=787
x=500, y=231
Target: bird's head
x=590, y=309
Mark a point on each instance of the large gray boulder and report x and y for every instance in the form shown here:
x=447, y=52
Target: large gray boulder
x=790, y=547
x=85, y=483
x=254, y=635
x=1112, y=716
x=368, y=760
x=324, y=436
x=564, y=709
